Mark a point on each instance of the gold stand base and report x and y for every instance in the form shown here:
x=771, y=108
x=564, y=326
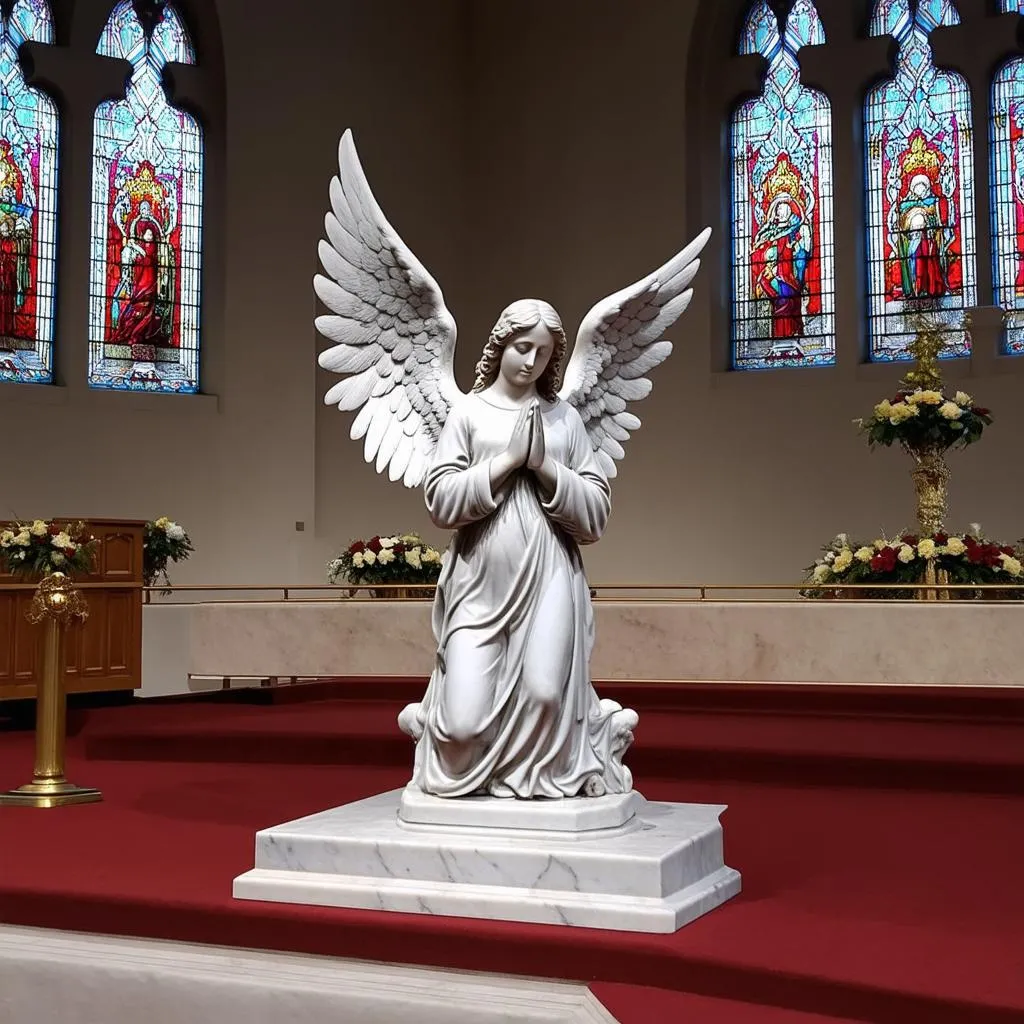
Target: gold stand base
x=50, y=794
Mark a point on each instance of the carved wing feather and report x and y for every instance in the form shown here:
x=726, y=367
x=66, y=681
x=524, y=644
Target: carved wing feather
x=392, y=334
x=619, y=341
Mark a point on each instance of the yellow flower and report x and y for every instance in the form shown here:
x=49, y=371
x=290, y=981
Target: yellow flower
x=864, y=554
x=162, y=523
x=1011, y=564
x=821, y=573
x=926, y=548
x=412, y=557
x=843, y=560
x=925, y=398
x=955, y=546
x=950, y=411
x=880, y=543
x=963, y=399
x=906, y=553
x=902, y=411
x=884, y=409
x=38, y=528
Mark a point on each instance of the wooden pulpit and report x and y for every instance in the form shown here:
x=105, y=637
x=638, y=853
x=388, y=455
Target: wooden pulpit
x=104, y=652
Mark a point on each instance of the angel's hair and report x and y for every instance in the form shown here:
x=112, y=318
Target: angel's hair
x=518, y=318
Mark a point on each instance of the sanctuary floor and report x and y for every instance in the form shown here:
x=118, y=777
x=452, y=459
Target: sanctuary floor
x=894, y=899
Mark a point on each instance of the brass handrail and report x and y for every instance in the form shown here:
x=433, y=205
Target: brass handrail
x=702, y=590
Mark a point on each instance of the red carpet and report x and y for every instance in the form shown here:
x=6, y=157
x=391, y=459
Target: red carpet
x=859, y=903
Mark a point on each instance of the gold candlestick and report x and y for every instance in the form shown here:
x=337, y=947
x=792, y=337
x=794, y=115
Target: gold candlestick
x=55, y=602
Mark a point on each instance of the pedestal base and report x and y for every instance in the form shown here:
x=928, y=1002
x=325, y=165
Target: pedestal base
x=50, y=794
x=656, y=874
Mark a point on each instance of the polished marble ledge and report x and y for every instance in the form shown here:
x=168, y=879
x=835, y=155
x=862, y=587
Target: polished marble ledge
x=869, y=642
x=53, y=977
x=656, y=877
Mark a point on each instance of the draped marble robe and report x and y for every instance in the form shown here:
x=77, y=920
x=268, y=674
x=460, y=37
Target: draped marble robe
x=510, y=710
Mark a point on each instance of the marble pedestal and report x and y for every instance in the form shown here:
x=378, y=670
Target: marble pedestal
x=644, y=866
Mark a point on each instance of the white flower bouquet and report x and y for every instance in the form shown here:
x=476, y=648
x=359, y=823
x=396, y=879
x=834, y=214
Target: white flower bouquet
x=163, y=541
x=39, y=548
x=404, y=559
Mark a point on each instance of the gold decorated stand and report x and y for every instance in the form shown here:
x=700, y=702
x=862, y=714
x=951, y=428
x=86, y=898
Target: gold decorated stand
x=931, y=474
x=55, y=603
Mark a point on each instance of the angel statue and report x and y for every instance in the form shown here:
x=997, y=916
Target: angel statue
x=519, y=469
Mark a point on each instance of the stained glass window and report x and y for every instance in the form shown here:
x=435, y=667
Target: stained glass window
x=783, y=287
x=146, y=218
x=920, y=187
x=1008, y=193
x=28, y=205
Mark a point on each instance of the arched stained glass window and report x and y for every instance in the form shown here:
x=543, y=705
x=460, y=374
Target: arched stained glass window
x=920, y=187
x=146, y=218
x=1008, y=193
x=783, y=298
x=28, y=205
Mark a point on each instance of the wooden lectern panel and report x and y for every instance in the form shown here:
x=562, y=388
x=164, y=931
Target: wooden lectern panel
x=104, y=652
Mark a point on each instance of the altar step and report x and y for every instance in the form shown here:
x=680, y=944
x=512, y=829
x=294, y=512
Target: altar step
x=888, y=747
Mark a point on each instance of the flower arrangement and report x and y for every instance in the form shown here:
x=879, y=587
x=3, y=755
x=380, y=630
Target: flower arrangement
x=399, y=558
x=163, y=541
x=40, y=548
x=964, y=558
x=924, y=417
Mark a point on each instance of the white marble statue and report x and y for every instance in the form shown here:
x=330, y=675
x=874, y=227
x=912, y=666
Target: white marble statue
x=519, y=469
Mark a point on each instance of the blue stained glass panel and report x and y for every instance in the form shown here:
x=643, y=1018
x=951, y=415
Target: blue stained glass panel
x=1011, y=6
x=1007, y=135
x=783, y=287
x=146, y=218
x=28, y=204
x=920, y=187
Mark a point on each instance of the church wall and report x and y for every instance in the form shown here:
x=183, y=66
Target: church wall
x=240, y=465
x=590, y=149
x=520, y=149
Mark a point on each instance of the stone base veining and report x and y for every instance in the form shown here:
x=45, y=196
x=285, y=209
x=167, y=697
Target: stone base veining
x=659, y=872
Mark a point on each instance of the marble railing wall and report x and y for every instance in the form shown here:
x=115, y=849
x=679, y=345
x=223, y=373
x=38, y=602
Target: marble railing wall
x=955, y=643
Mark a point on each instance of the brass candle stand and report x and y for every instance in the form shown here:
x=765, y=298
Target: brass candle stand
x=55, y=602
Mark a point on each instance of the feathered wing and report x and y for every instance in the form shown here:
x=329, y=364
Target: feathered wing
x=392, y=333
x=619, y=341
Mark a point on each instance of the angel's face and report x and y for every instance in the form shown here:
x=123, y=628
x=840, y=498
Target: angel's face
x=526, y=356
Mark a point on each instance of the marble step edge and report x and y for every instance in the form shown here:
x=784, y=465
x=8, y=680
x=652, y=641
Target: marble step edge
x=450, y=899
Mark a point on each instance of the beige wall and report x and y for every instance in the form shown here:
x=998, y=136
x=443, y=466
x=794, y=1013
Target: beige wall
x=529, y=148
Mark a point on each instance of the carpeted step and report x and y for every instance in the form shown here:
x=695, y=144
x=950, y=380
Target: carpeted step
x=818, y=749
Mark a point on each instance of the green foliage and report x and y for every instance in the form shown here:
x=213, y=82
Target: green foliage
x=925, y=418
x=163, y=541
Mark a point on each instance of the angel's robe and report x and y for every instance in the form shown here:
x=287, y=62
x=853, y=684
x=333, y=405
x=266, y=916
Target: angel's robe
x=510, y=709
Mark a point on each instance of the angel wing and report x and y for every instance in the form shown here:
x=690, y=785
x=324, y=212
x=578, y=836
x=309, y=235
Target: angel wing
x=392, y=333
x=619, y=341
